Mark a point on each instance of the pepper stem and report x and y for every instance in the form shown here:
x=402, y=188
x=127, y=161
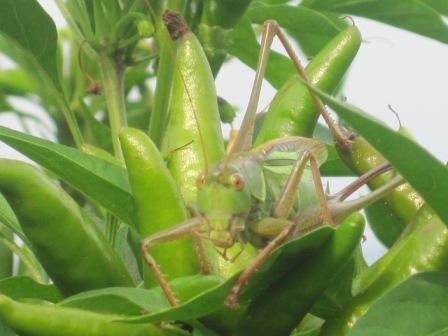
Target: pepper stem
x=112, y=75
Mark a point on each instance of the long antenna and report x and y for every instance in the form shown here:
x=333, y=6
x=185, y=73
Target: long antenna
x=244, y=138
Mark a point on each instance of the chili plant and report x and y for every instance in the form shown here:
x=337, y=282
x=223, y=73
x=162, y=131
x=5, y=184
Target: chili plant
x=143, y=219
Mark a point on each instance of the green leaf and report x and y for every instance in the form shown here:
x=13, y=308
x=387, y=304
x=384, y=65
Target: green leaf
x=421, y=169
x=411, y=15
x=119, y=301
x=334, y=166
x=243, y=44
x=283, y=259
x=417, y=307
x=15, y=82
x=6, y=257
x=22, y=287
x=99, y=133
x=272, y=2
x=98, y=179
x=9, y=219
x=136, y=301
x=29, y=26
x=339, y=293
x=311, y=28
x=200, y=330
x=30, y=265
x=440, y=6
x=5, y=331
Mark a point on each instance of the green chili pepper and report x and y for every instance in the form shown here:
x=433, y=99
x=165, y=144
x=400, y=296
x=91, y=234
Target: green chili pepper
x=293, y=111
x=193, y=140
x=288, y=300
x=69, y=246
x=158, y=202
x=423, y=248
x=193, y=136
x=403, y=202
x=49, y=320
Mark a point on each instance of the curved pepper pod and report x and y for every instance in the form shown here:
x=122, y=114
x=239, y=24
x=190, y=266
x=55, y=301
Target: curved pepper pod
x=69, y=246
x=288, y=300
x=423, y=248
x=158, y=202
x=193, y=138
x=48, y=320
x=403, y=202
x=293, y=111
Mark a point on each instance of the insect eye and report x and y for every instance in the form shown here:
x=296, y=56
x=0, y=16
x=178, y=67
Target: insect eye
x=200, y=181
x=237, y=181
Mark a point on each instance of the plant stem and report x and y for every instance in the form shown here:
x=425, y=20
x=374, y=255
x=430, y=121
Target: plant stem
x=160, y=110
x=71, y=122
x=112, y=78
x=111, y=228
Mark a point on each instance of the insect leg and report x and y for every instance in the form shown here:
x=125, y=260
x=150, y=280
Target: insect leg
x=232, y=298
x=324, y=209
x=202, y=256
x=244, y=138
x=287, y=199
x=176, y=232
x=285, y=203
x=362, y=180
x=340, y=137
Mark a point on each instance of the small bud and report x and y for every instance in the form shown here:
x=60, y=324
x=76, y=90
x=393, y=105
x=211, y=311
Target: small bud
x=145, y=28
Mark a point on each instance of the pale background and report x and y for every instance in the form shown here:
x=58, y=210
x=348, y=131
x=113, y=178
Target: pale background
x=392, y=67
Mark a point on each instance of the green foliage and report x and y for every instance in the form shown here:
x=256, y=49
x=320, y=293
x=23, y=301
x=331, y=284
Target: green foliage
x=28, y=25
x=92, y=78
x=416, y=307
x=423, y=171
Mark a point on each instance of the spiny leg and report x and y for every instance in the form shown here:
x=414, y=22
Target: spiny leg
x=340, y=137
x=176, y=232
x=287, y=199
x=324, y=210
x=200, y=250
x=155, y=269
x=232, y=298
x=243, y=141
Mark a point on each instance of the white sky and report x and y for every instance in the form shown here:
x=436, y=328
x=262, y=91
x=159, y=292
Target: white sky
x=392, y=67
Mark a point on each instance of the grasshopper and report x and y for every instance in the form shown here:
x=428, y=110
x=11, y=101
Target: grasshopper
x=254, y=195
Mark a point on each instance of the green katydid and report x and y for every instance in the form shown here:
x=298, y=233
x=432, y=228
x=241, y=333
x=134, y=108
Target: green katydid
x=252, y=195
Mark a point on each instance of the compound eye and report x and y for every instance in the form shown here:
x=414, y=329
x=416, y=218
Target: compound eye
x=237, y=181
x=200, y=181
